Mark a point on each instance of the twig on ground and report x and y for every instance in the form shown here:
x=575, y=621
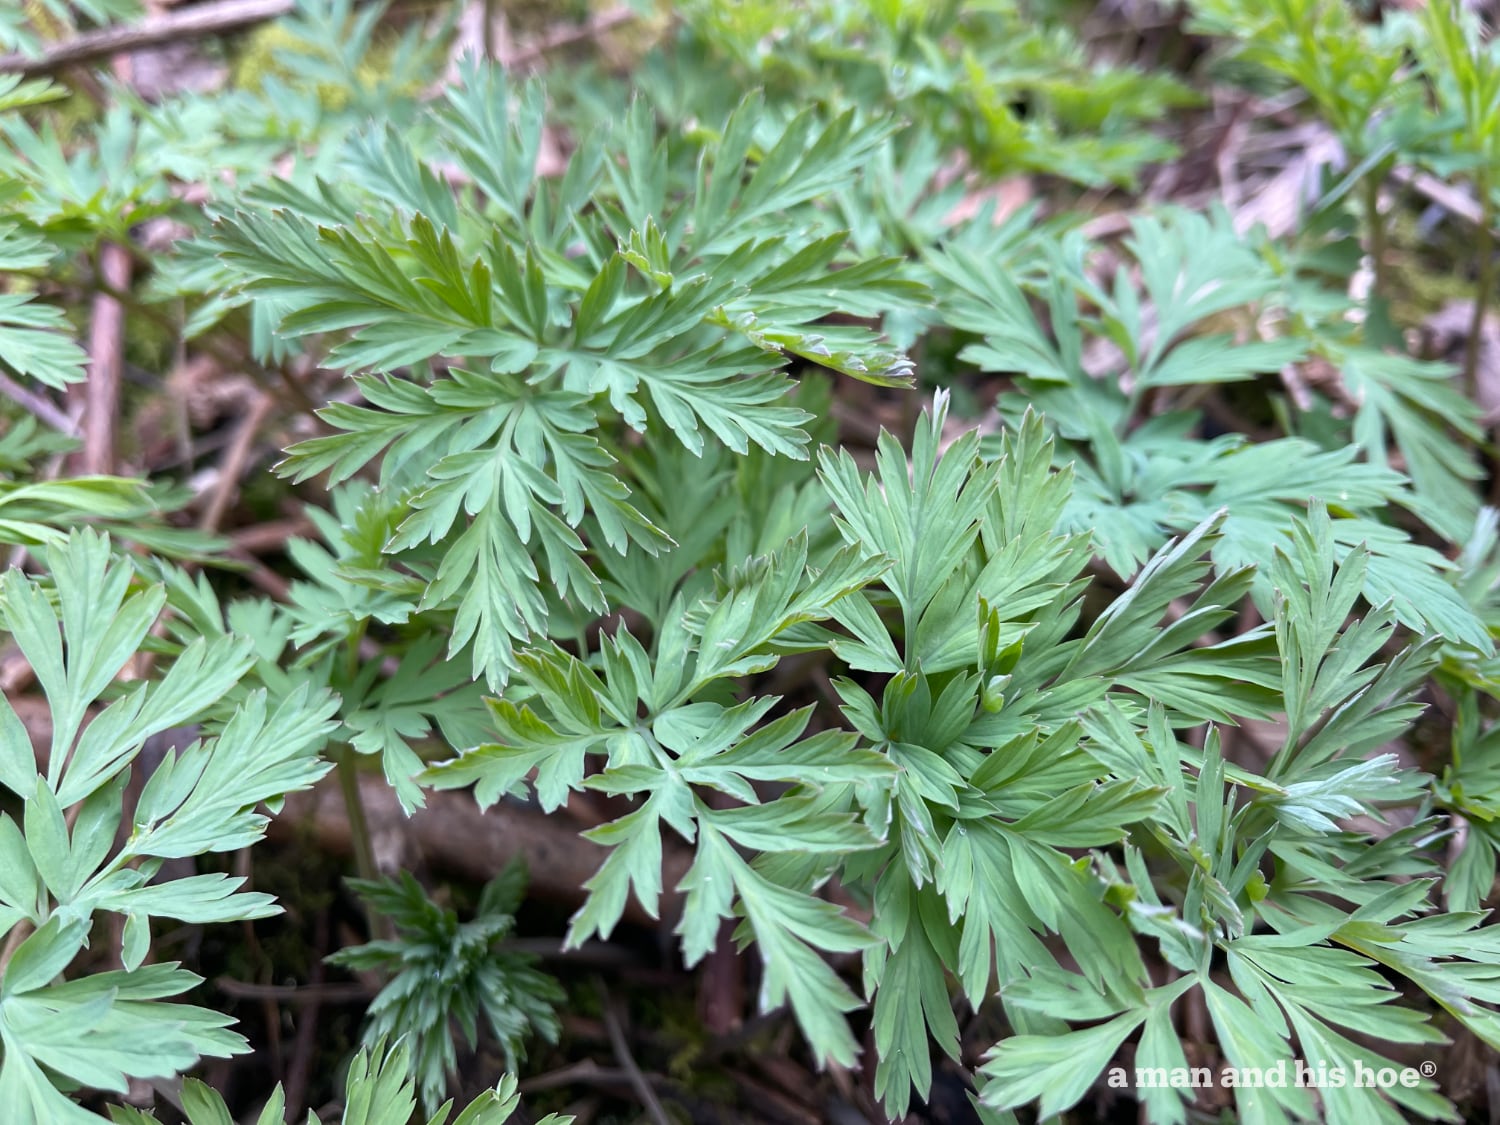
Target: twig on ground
x=562, y=37
x=236, y=457
x=599, y=953
x=230, y=471
x=585, y=1071
x=193, y=23
x=271, y=536
x=454, y=834
x=245, y=361
x=261, y=576
x=38, y=406
x=101, y=391
x=782, y=1097
x=621, y=1047
x=1452, y=199
x=482, y=30
x=305, y=1045
x=295, y=993
x=721, y=1001
x=721, y=996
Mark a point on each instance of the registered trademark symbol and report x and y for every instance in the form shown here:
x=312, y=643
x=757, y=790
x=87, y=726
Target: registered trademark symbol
x=1428, y=1069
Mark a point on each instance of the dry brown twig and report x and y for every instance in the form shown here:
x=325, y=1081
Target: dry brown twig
x=236, y=457
x=583, y=1072
x=569, y=36
x=454, y=834
x=226, y=16
x=100, y=392
x=1454, y=200
x=621, y=1047
x=270, y=536
x=304, y=1046
x=38, y=406
x=193, y=23
x=338, y=993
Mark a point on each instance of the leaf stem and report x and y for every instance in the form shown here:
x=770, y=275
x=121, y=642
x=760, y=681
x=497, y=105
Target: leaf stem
x=18, y=933
x=1485, y=287
x=348, y=767
x=354, y=807
x=1377, y=240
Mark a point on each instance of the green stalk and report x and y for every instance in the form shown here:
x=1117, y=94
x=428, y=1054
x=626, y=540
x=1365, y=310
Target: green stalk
x=22, y=930
x=1377, y=240
x=348, y=767
x=1486, y=284
x=354, y=807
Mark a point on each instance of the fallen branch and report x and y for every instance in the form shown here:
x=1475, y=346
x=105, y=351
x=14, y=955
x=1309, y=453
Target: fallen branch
x=568, y=36
x=39, y=406
x=101, y=390
x=272, y=535
x=621, y=1047
x=1454, y=200
x=453, y=834
x=203, y=20
x=225, y=16
x=236, y=457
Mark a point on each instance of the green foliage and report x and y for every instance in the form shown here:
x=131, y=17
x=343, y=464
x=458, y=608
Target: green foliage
x=682, y=307
x=314, y=641
x=1141, y=479
x=1337, y=905
x=62, y=864
x=379, y=1090
x=444, y=971
x=33, y=339
x=1107, y=708
x=692, y=743
x=1347, y=66
x=25, y=27
x=1012, y=93
x=44, y=198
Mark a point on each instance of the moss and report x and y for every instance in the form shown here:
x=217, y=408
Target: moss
x=256, y=57
x=74, y=117
x=1426, y=273
x=148, y=343
x=262, y=495
x=537, y=17
x=267, y=51
x=624, y=46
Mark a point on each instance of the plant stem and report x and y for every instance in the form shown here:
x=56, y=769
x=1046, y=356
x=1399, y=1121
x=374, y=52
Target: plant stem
x=299, y=396
x=22, y=930
x=354, y=808
x=1377, y=244
x=1486, y=285
x=348, y=767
